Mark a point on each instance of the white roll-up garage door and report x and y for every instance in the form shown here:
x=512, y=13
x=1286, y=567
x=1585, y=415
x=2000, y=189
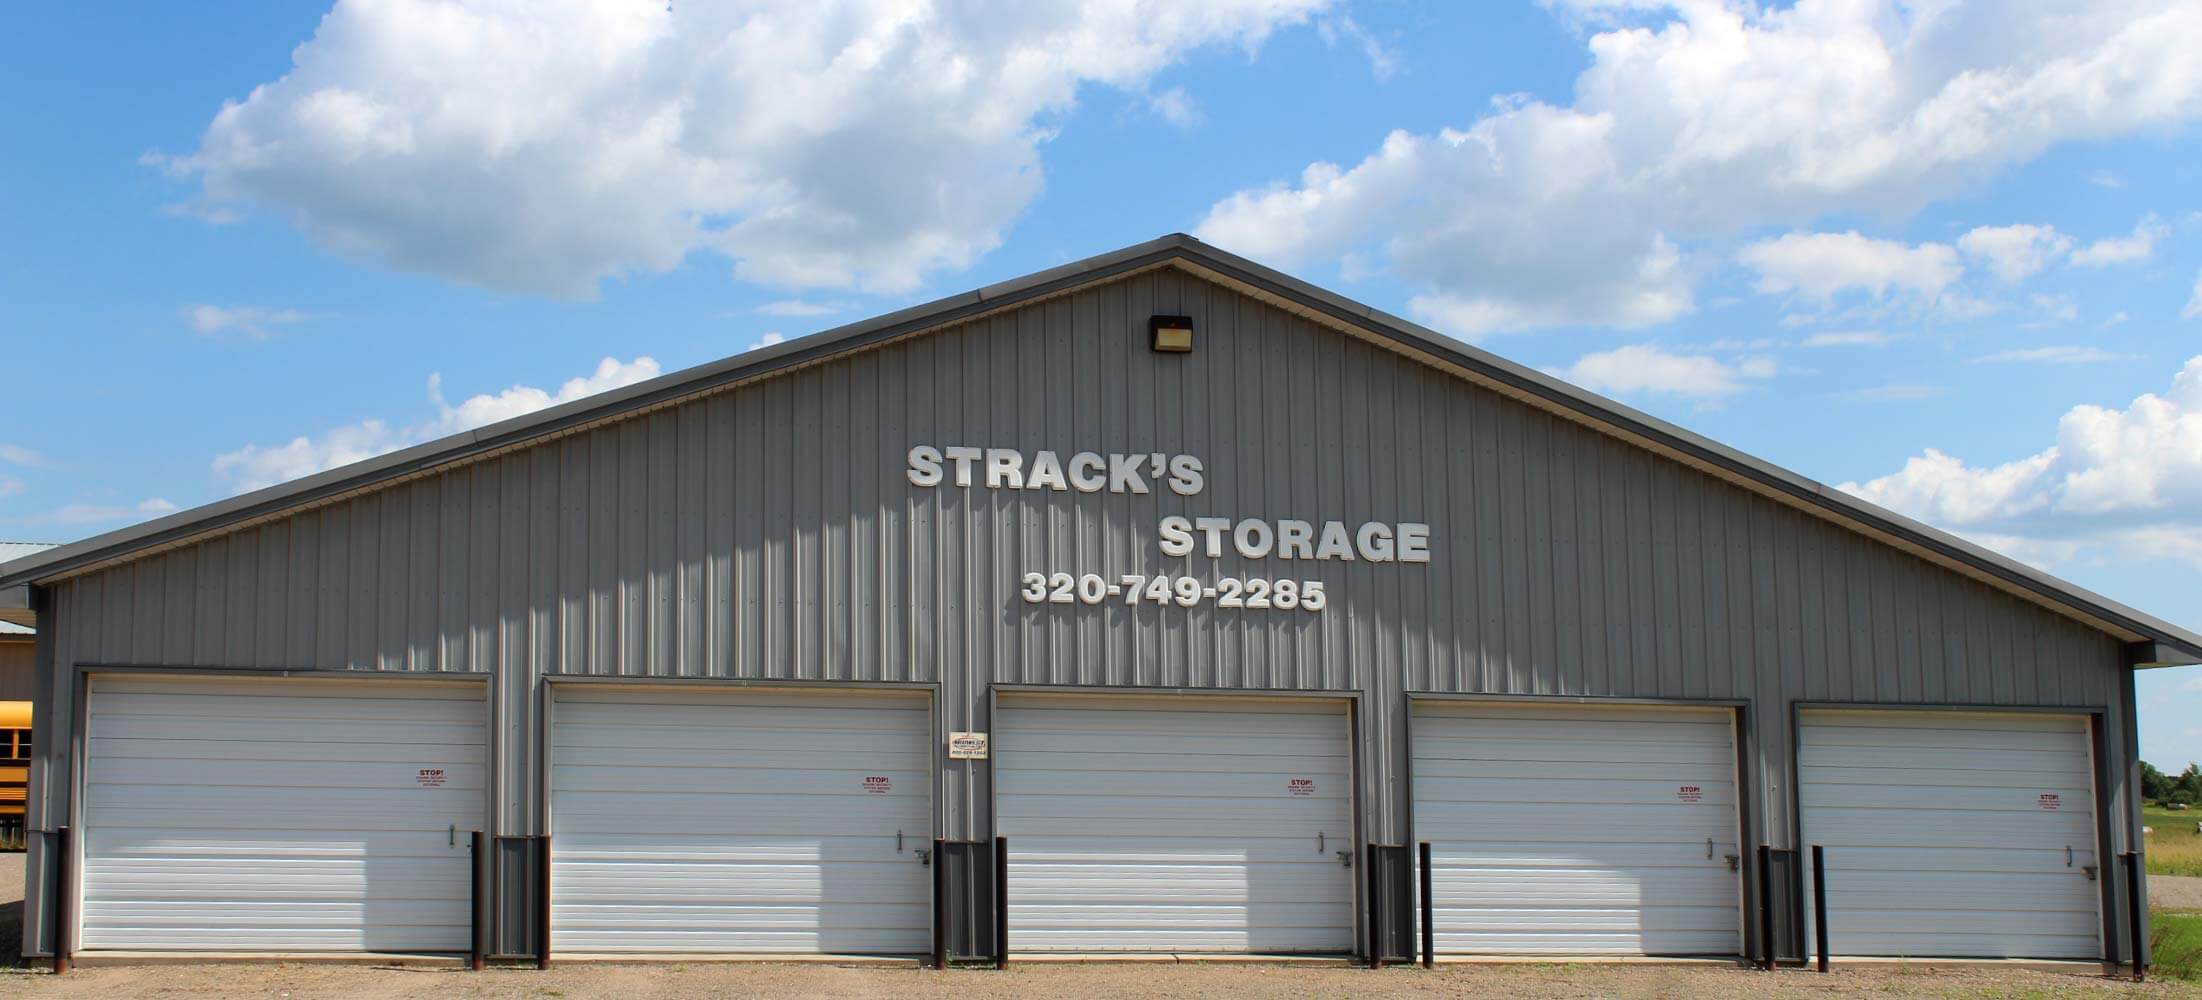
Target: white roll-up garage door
x=280, y=815
x=1953, y=834
x=1197, y=824
x=766, y=820
x=1579, y=830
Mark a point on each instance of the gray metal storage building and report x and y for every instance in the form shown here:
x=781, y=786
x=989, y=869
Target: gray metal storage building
x=765, y=655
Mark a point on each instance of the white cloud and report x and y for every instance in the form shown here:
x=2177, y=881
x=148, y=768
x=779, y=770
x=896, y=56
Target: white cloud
x=1646, y=369
x=2123, y=249
x=1851, y=338
x=1176, y=107
x=2194, y=302
x=2057, y=355
x=770, y=338
x=545, y=147
x=2055, y=308
x=1383, y=62
x=2106, y=179
x=800, y=307
x=1820, y=266
x=1697, y=121
x=2192, y=684
x=2126, y=480
x=15, y=454
x=10, y=486
x=2114, y=319
x=255, y=466
x=80, y=514
x=254, y=322
x=2015, y=253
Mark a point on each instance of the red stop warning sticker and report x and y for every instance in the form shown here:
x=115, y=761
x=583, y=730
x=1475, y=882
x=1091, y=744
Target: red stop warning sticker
x=1689, y=793
x=1301, y=786
x=878, y=784
x=430, y=777
x=2049, y=801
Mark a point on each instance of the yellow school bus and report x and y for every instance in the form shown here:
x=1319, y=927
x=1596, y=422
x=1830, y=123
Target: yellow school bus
x=15, y=761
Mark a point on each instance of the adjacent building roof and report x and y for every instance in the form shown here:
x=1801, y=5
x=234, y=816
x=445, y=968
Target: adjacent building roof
x=2154, y=641
x=15, y=616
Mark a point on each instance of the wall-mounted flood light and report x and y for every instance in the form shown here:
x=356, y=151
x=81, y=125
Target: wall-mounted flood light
x=1173, y=334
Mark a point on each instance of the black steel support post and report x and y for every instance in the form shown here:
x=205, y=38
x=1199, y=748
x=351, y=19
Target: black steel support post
x=1819, y=904
x=1766, y=906
x=543, y=901
x=475, y=898
x=2134, y=915
x=940, y=905
x=1429, y=932
x=64, y=893
x=1376, y=911
x=1001, y=902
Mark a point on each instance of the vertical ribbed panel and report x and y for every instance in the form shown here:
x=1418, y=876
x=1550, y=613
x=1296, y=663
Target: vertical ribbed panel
x=769, y=532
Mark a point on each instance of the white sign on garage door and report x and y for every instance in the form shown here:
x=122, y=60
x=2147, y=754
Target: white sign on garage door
x=1198, y=824
x=280, y=814
x=1953, y=834
x=1579, y=830
x=686, y=820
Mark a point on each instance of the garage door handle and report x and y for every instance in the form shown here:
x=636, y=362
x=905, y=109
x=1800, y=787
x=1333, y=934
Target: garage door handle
x=1708, y=848
x=2068, y=855
x=1319, y=848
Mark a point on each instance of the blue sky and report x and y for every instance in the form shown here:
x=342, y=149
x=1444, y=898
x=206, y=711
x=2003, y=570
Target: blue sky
x=1948, y=254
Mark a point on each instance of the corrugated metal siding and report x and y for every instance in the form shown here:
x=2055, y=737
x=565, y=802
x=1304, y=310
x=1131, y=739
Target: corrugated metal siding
x=768, y=532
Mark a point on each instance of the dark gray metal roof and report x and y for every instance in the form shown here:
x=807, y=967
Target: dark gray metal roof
x=2161, y=642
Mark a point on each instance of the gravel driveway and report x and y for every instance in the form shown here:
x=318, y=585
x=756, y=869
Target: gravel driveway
x=2173, y=892
x=1206, y=982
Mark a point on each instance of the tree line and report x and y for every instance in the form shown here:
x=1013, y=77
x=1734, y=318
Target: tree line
x=2185, y=788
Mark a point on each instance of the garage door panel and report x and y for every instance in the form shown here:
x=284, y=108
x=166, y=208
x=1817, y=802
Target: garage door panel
x=284, y=775
x=1895, y=775
x=733, y=822
x=1578, y=831
x=1146, y=847
x=1677, y=824
x=1175, y=778
x=732, y=780
x=1984, y=762
x=644, y=886
x=1998, y=891
x=692, y=742
x=1637, y=767
x=2015, y=805
x=1621, y=853
x=1941, y=943
x=1125, y=834
x=1947, y=834
x=1953, y=860
x=1158, y=748
x=1586, y=943
x=1658, y=793
x=387, y=746
x=747, y=816
x=218, y=814
x=1599, y=887
x=1856, y=827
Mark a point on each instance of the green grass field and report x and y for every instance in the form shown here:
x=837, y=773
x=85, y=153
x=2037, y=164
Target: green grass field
x=2176, y=944
x=2175, y=848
